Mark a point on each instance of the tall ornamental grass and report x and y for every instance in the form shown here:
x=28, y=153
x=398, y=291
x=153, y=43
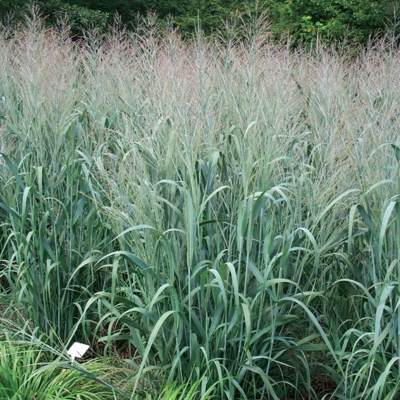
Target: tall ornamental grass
x=223, y=213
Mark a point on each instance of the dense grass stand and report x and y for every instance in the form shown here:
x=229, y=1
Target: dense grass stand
x=217, y=219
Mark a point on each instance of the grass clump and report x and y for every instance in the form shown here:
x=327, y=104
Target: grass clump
x=220, y=213
x=31, y=370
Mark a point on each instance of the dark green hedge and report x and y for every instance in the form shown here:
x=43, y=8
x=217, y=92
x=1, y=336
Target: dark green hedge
x=303, y=20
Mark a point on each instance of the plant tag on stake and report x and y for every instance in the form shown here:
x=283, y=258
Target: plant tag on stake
x=77, y=350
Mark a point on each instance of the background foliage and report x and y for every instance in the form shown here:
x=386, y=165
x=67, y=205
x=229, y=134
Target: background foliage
x=302, y=19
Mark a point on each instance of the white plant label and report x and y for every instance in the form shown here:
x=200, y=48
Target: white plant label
x=77, y=350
